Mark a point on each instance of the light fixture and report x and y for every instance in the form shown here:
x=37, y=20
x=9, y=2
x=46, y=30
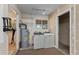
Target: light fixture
x=44, y=13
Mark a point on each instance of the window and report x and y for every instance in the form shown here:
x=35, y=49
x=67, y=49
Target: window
x=44, y=24
x=38, y=24
x=41, y=24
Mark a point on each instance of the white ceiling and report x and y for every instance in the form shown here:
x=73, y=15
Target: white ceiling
x=37, y=9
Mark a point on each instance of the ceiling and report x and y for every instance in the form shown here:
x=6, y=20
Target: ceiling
x=37, y=9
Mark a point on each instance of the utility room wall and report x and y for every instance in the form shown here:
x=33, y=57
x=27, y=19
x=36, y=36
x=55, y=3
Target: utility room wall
x=77, y=29
x=15, y=15
x=3, y=35
x=53, y=24
x=30, y=21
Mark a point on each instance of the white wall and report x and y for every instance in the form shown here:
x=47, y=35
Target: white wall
x=18, y=17
x=54, y=25
x=4, y=9
x=17, y=32
x=77, y=29
x=3, y=35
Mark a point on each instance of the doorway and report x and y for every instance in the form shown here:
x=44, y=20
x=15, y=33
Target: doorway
x=64, y=32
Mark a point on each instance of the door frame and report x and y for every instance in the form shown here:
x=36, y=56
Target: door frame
x=57, y=28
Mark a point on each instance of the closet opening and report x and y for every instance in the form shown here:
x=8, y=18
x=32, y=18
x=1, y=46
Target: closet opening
x=64, y=32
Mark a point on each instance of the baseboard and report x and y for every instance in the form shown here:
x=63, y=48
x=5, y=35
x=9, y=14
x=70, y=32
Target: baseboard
x=62, y=51
x=15, y=52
